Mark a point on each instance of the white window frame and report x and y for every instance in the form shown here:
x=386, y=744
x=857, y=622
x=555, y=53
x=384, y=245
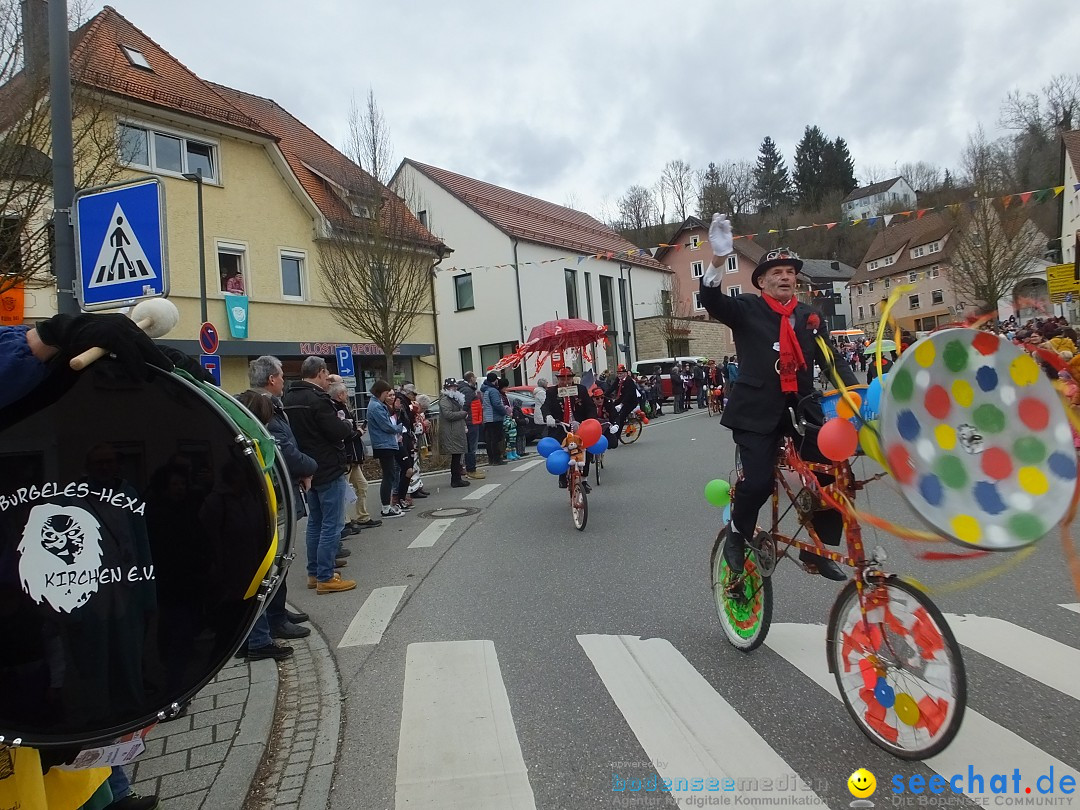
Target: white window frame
x=697, y=269
x=695, y=242
x=861, y=313
x=237, y=249
x=697, y=302
x=293, y=253
x=733, y=263
x=913, y=301
x=735, y=289
x=136, y=57
x=873, y=310
x=937, y=297
x=934, y=270
x=888, y=282
x=912, y=277
x=888, y=260
x=917, y=252
x=870, y=285
x=151, y=129
x=933, y=247
x=874, y=265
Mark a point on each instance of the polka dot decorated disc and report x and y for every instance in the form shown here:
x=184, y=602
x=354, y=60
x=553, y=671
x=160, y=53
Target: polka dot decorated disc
x=978, y=440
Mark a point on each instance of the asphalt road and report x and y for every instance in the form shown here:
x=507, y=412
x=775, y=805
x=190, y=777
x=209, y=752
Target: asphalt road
x=527, y=664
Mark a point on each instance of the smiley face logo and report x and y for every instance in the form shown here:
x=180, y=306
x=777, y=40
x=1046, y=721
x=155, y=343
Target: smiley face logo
x=862, y=784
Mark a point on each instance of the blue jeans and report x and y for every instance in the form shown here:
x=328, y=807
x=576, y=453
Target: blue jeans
x=326, y=519
x=473, y=435
x=260, y=633
x=119, y=783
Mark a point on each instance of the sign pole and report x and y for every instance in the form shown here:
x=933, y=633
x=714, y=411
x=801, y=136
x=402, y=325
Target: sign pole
x=62, y=158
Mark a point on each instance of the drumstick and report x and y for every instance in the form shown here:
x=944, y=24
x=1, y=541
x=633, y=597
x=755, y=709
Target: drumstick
x=155, y=316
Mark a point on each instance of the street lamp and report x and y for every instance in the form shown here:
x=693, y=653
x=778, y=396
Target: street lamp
x=197, y=178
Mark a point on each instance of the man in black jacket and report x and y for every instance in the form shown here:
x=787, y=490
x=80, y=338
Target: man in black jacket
x=774, y=336
x=624, y=398
x=575, y=408
x=321, y=434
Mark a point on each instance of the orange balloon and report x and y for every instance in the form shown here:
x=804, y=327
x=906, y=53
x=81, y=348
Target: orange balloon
x=838, y=439
x=843, y=410
x=590, y=432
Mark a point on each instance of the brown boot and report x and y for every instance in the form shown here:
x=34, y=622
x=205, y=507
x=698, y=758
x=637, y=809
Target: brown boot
x=311, y=583
x=335, y=584
x=476, y=475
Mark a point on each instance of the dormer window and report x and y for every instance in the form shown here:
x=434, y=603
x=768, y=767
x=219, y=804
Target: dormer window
x=135, y=56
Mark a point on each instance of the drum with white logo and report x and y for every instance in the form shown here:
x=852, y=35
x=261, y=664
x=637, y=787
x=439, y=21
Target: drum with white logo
x=138, y=540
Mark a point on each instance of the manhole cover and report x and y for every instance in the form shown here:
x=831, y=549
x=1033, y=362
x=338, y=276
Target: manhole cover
x=451, y=512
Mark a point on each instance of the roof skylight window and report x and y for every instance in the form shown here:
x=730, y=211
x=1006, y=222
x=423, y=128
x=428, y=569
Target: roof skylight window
x=136, y=57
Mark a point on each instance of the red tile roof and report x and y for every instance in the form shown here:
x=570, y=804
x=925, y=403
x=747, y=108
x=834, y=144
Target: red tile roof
x=98, y=62
x=309, y=156
x=1072, y=148
x=535, y=220
x=902, y=237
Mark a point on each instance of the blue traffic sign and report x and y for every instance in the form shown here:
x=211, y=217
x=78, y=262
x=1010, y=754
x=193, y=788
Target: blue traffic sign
x=121, y=253
x=208, y=338
x=345, y=361
x=212, y=363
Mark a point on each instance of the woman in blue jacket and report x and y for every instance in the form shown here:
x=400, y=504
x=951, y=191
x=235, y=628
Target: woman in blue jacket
x=385, y=435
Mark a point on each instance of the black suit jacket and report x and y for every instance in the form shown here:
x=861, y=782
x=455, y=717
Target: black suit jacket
x=581, y=406
x=755, y=401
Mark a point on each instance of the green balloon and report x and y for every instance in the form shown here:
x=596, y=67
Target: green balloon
x=718, y=492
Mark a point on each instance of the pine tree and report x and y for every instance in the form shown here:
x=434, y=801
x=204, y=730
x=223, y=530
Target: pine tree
x=809, y=175
x=838, y=168
x=711, y=194
x=772, y=186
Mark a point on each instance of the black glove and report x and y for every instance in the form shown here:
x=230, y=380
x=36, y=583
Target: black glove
x=74, y=334
x=187, y=363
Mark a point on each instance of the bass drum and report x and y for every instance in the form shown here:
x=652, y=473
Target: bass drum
x=137, y=541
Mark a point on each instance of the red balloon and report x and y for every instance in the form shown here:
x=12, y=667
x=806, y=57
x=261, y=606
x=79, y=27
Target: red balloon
x=838, y=439
x=590, y=432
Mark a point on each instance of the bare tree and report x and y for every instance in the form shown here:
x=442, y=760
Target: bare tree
x=874, y=173
x=993, y=250
x=368, y=142
x=923, y=177
x=986, y=164
x=638, y=209
x=677, y=181
x=378, y=274
x=26, y=146
x=673, y=315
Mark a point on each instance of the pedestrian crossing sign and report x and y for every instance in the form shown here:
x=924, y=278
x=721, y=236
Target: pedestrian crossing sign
x=121, y=251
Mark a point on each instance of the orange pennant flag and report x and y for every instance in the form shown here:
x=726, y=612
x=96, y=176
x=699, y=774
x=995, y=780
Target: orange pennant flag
x=921, y=212
x=12, y=306
x=830, y=225
x=1006, y=200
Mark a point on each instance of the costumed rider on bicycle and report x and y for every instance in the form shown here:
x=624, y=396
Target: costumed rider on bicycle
x=624, y=398
x=774, y=336
x=571, y=410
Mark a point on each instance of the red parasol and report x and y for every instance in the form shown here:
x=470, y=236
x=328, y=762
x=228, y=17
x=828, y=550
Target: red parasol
x=557, y=335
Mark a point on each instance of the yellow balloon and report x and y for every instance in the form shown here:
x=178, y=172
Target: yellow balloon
x=906, y=709
x=868, y=440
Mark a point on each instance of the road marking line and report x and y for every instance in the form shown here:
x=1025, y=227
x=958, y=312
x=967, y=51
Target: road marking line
x=431, y=534
x=528, y=465
x=687, y=729
x=1040, y=658
x=1073, y=606
x=458, y=747
x=981, y=744
x=477, y=494
x=370, y=621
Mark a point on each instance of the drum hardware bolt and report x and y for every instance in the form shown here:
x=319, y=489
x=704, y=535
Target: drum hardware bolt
x=288, y=558
x=169, y=712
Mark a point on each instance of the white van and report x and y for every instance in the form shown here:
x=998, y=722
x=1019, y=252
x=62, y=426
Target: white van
x=648, y=367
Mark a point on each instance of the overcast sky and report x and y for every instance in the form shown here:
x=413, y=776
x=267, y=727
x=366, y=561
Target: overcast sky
x=576, y=100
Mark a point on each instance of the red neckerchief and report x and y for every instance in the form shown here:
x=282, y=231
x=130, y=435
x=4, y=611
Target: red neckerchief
x=791, y=356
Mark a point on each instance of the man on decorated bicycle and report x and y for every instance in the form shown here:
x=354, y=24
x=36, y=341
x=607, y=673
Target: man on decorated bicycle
x=568, y=403
x=624, y=398
x=774, y=335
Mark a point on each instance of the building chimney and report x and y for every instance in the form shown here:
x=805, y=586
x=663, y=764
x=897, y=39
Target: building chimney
x=35, y=25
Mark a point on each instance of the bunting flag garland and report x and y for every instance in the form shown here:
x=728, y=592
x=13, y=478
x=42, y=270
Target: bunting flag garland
x=1018, y=199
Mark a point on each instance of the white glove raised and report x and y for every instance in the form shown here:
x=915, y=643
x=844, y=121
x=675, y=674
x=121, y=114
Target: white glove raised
x=618, y=408
x=550, y=421
x=720, y=235
x=613, y=429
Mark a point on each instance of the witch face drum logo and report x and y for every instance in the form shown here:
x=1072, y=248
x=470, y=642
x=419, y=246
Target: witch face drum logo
x=60, y=556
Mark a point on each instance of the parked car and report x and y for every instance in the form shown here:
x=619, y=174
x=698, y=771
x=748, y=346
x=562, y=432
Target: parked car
x=647, y=367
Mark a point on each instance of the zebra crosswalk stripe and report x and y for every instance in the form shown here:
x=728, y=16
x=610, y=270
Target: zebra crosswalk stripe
x=458, y=748
x=1040, y=658
x=981, y=744
x=687, y=729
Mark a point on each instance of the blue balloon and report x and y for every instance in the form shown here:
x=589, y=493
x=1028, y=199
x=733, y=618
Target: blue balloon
x=558, y=462
x=547, y=445
x=600, y=446
x=727, y=514
x=872, y=404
